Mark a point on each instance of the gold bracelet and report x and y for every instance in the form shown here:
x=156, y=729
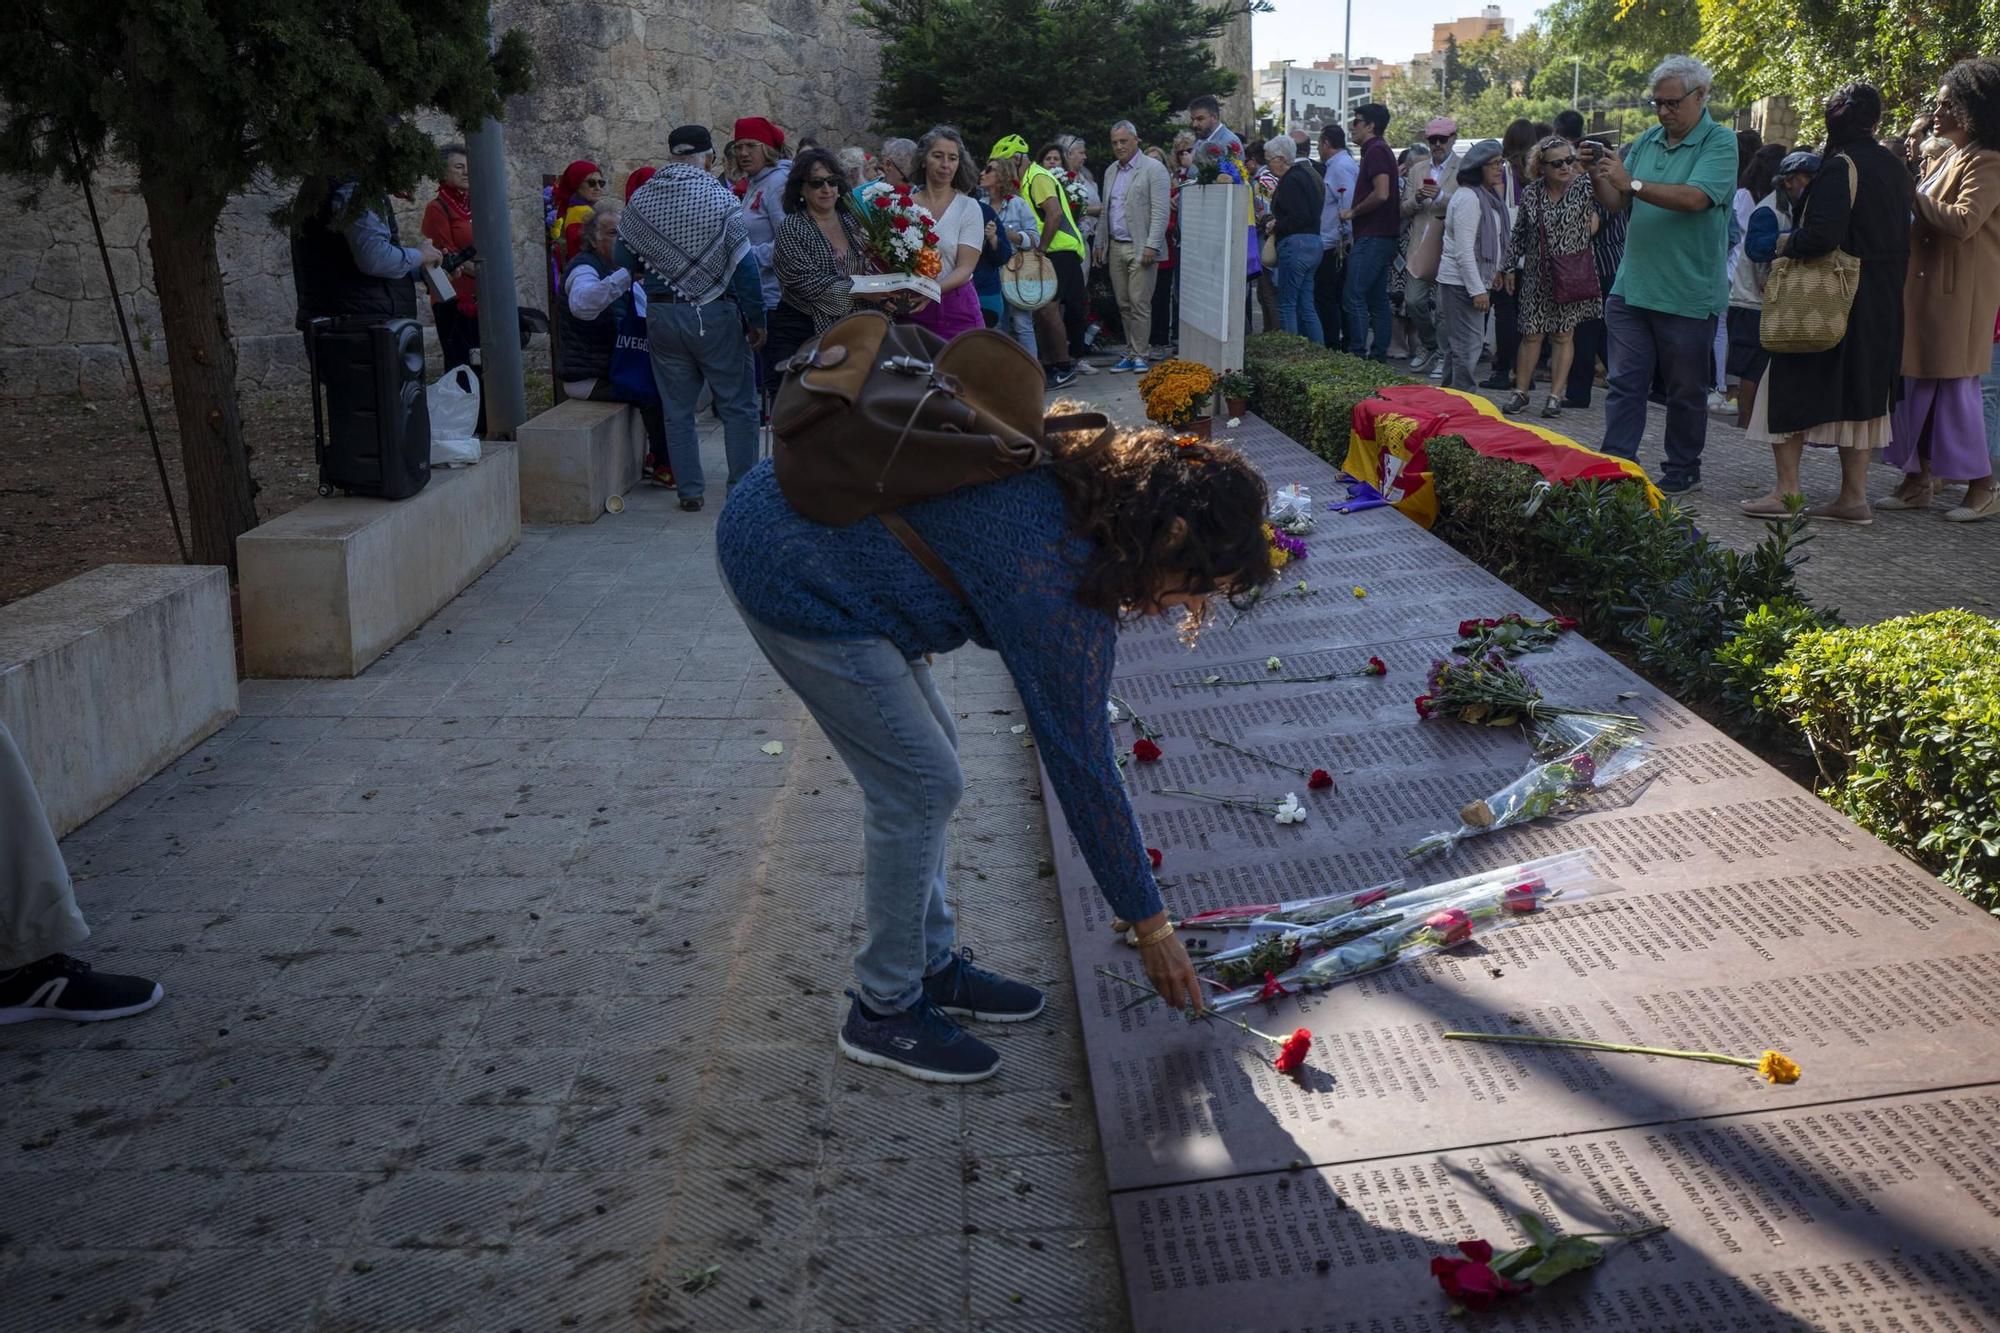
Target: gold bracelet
x=1148, y=941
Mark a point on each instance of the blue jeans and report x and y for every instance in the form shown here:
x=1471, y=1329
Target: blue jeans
x=1683, y=350
x=1298, y=265
x=885, y=717
x=1989, y=396
x=1366, y=299
x=693, y=345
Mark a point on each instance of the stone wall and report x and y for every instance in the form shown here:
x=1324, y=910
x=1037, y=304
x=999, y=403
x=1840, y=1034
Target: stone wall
x=612, y=80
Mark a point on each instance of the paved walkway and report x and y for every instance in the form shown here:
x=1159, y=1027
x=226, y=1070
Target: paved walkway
x=502, y=984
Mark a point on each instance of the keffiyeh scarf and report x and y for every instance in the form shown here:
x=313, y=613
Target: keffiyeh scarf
x=688, y=230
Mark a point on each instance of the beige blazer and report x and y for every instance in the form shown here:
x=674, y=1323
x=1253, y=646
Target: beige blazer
x=1953, y=289
x=1148, y=196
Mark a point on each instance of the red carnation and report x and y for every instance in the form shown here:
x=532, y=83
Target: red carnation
x=1292, y=1052
x=1467, y=628
x=1320, y=780
x=1377, y=667
x=880, y=201
x=1472, y=1281
x=1153, y=855
x=1424, y=706
x=930, y=238
x=1567, y=622
x=1145, y=751
x=900, y=223
x=1272, y=987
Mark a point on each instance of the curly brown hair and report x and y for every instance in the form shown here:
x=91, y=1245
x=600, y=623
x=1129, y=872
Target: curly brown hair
x=1162, y=515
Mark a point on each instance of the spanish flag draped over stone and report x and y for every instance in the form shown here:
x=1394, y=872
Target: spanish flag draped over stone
x=1386, y=446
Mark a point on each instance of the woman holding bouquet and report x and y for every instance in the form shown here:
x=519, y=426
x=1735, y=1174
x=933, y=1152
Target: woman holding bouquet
x=817, y=252
x=1049, y=562
x=947, y=195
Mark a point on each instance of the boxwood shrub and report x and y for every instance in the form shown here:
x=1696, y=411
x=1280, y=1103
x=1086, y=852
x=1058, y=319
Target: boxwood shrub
x=1904, y=720
x=1308, y=392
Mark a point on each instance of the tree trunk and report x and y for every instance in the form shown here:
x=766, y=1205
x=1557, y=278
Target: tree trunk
x=202, y=360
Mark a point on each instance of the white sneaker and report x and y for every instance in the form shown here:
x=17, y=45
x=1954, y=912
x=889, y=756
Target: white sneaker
x=1719, y=405
x=1420, y=361
x=1086, y=368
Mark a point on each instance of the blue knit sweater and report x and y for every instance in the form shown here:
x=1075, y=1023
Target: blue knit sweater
x=1010, y=546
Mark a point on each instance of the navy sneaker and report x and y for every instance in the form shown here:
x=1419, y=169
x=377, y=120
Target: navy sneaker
x=1679, y=484
x=920, y=1042
x=1061, y=377
x=965, y=991
x=63, y=987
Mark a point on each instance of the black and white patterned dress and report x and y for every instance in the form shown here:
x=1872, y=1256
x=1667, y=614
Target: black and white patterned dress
x=1566, y=222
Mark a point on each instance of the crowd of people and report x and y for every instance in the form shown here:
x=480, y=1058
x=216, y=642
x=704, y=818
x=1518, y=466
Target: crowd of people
x=1559, y=252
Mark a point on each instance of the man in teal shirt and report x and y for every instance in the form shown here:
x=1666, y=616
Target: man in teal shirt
x=1677, y=180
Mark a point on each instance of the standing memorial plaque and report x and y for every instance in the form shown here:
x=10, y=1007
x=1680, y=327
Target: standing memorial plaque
x=1215, y=225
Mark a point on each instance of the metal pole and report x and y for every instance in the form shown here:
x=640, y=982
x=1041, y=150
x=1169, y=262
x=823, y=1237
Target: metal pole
x=506, y=395
x=1575, y=79
x=1346, y=66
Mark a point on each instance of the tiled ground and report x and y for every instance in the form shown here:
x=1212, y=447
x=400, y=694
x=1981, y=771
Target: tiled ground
x=502, y=986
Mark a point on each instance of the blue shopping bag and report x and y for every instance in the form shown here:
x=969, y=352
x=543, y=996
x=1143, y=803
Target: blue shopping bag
x=631, y=360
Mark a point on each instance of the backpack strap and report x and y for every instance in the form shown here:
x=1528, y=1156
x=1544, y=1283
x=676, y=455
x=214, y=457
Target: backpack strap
x=1070, y=421
x=921, y=549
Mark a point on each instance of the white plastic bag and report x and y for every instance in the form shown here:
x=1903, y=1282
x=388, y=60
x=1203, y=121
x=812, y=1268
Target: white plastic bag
x=454, y=409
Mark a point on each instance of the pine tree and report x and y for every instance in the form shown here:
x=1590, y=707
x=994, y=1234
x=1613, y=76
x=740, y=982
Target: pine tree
x=998, y=67
x=206, y=97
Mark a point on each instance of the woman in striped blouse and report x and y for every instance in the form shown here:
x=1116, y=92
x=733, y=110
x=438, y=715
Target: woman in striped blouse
x=817, y=253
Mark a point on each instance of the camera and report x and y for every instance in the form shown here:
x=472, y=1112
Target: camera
x=457, y=259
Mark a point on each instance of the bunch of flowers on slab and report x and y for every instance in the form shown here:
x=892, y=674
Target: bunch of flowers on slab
x=1588, y=755
x=1510, y=635
x=1481, y=1278
x=1177, y=392
x=1491, y=691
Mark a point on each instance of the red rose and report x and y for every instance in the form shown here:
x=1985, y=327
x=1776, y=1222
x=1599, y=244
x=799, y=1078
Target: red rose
x=1522, y=897
x=1467, y=628
x=1145, y=750
x=1452, y=925
x=1471, y=1281
x=1153, y=855
x=1377, y=667
x=1424, y=707
x=1292, y=1053
x=1371, y=896
x=1489, y=623
x=1567, y=622
x=1320, y=780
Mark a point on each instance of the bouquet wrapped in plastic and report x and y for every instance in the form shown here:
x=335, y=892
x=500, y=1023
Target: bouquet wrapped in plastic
x=1586, y=755
x=1399, y=926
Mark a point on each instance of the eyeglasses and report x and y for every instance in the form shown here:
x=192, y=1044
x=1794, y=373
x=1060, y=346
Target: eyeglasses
x=1669, y=103
x=823, y=183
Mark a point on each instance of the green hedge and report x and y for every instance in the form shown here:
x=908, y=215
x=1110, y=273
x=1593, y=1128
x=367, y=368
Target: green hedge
x=1308, y=392
x=1904, y=719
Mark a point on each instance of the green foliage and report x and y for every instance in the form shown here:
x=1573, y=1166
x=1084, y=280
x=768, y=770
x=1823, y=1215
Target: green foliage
x=1744, y=664
x=997, y=67
x=1308, y=392
x=1904, y=719
x=214, y=96
x=1761, y=48
x=1638, y=31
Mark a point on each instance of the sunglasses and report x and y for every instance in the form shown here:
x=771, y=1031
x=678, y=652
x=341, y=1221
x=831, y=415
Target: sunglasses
x=1440, y=138
x=823, y=183
x=593, y=180
x=1559, y=163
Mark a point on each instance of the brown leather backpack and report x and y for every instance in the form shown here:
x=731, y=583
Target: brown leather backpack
x=873, y=415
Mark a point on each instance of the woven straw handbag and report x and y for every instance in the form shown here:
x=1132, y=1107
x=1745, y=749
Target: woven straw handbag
x=1806, y=301
x=1029, y=280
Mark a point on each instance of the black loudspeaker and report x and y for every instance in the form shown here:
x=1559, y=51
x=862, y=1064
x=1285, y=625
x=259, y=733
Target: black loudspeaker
x=375, y=435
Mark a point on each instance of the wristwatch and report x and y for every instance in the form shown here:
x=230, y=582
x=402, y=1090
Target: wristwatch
x=1638, y=186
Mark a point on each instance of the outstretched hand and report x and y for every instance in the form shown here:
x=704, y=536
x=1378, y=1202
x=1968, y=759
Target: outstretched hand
x=1168, y=968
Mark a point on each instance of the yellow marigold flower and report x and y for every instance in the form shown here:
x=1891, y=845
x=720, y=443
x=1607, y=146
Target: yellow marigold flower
x=1775, y=1068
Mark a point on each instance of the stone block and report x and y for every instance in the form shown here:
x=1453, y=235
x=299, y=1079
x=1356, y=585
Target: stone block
x=331, y=586
x=108, y=677
x=577, y=455
x=34, y=372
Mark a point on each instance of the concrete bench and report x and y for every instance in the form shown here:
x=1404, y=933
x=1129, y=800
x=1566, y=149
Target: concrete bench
x=577, y=455
x=331, y=586
x=109, y=677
